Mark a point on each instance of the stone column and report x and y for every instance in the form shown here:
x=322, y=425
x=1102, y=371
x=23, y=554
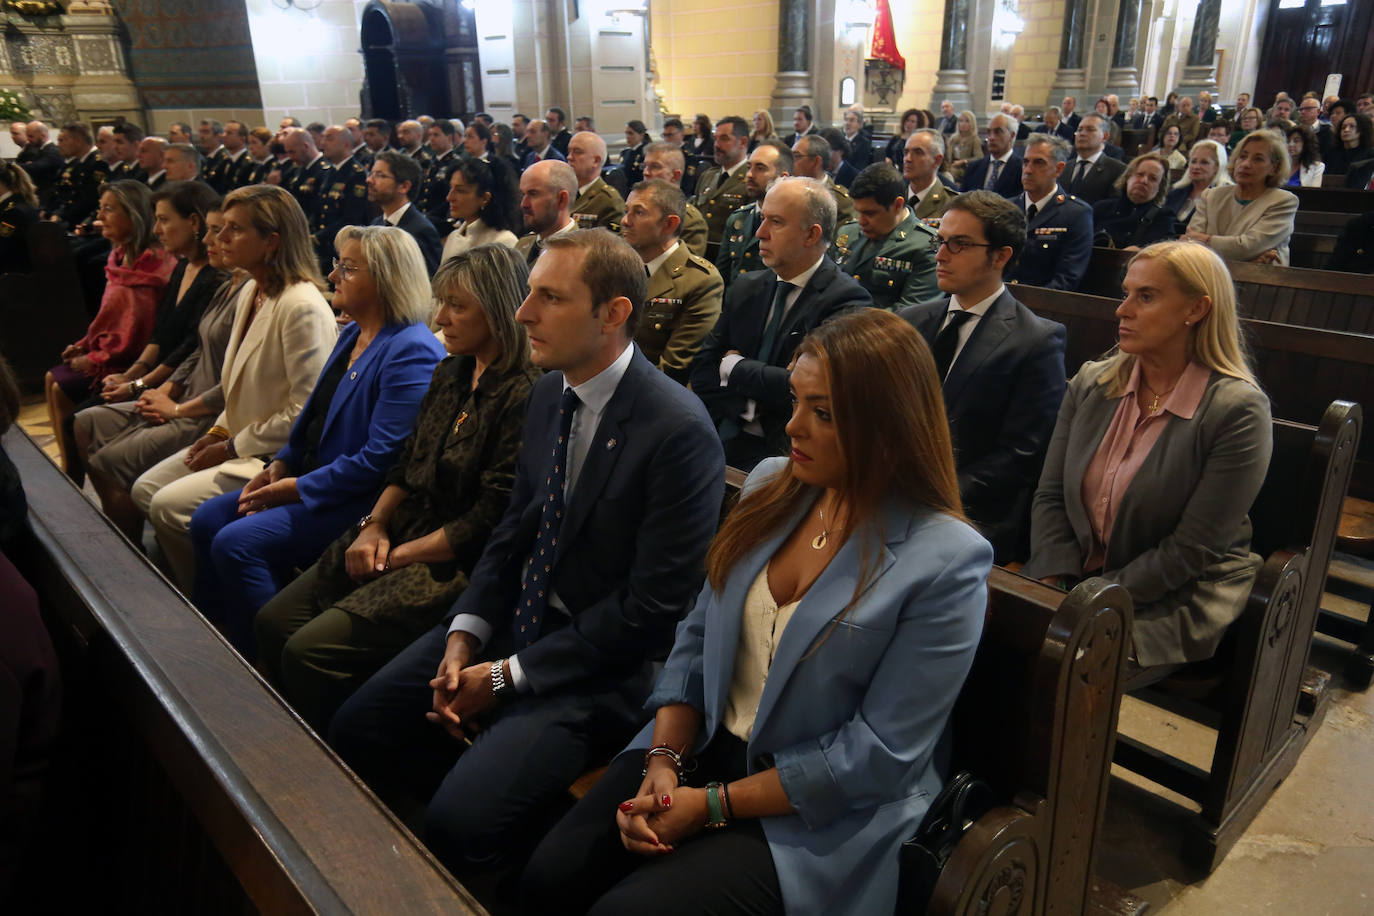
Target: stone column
x=1072, y=76
x=793, y=87
x=1123, y=78
x=1200, y=71
x=952, y=79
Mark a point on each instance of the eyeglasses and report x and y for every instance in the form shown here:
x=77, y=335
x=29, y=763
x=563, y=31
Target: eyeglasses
x=955, y=245
x=346, y=270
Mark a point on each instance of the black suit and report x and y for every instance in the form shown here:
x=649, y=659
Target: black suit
x=845, y=173
x=627, y=565
x=43, y=163
x=1127, y=224
x=1360, y=174
x=1008, y=183
x=424, y=233
x=759, y=377
x=1097, y=179
x=561, y=140
x=1002, y=396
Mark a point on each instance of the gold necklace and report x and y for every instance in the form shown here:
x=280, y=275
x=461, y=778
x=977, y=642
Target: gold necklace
x=1154, y=405
x=818, y=542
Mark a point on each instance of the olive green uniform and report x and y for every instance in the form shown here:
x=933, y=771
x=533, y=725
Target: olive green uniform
x=717, y=200
x=898, y=270
x=684, y=302
x=599, y=205
x=935, y=203
x=739, y=248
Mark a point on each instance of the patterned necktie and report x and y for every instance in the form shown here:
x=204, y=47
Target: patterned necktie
x=993, y=174
x=534, y=593
x=770, y=331
x=947, y=341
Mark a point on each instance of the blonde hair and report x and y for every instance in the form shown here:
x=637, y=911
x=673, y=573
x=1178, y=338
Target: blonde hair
x=1215, y=340
x=1219, y=154
x=271, y=209
x=769, y=130
x=1277, y=145
x=398, y=271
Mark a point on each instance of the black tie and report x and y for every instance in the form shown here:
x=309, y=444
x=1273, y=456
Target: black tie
x=1078, y=172
x=1031, y=211
x=947, y=341
x=534, y=253
x=770, y=332
x=534, y=593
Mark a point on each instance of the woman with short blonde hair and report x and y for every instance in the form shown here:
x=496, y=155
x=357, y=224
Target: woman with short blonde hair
x=963, y=146
x=402, y=286
x=1252, y=220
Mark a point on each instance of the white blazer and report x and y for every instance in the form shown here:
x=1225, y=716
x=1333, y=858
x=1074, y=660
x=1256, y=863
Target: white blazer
x=270, y=369
x=474, y=233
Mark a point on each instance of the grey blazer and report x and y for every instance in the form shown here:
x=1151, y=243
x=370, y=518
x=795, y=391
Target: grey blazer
x=1180, y=541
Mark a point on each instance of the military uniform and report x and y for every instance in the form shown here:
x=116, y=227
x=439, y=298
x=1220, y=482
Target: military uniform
x=343, y=202
x=307, y=185
x=364, y=156
x=77, y=191
x=693, y=231
x=43, y=163
x=684, y=302
x=214, y=170
x=844, y=204
x=1059, y=243
x=127, y=171
x=935, y=203
x=529, y=246
x=433, y=198
x=239, y=172
x=599, y=205
x=739, y=248
x=898, y=270
x=422, y=156
x=717, y=200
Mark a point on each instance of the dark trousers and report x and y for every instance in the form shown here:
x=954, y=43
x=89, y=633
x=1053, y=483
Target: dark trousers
x=581, y=865
x=488, y=804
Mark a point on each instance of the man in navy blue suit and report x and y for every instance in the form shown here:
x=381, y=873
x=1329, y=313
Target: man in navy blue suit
x=740, y=372
x=1060, y=229
x=545, y=661
x=1002, y=367
x=1000, y=169
x=393, y=185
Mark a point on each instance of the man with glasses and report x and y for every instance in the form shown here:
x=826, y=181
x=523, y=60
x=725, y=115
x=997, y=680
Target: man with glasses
x=392, y=184
x=1000, y=169
x=1002, y=367
x=1309, y=114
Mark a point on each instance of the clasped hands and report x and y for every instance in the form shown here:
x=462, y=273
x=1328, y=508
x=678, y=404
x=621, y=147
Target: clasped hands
x=372, y=554
x=662, y=813
x=462, y=691
x=76, y=359
x=270, y=488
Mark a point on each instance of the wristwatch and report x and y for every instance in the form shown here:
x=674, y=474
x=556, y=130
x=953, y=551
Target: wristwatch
x=364, y=522
x=136, y=386
x=499, y=686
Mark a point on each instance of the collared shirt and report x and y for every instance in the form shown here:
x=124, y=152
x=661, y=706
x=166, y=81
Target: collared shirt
x=235, y=157
x=1125, y=447
x=394, y=218
x=657, y=262
x=1042, y=203
x=727, y=174
x=318, y=157
x=593, y=396
x=586, y=187
x=156, y=175
x=915, y=198
x=977, y=311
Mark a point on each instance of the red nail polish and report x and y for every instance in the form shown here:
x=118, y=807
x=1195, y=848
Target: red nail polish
x=626, y=805
x=667, y=801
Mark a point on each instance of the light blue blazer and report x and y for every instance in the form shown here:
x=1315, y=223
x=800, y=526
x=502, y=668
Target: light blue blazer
x=853, y=728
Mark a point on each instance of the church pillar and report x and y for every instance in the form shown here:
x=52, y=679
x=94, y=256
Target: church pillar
x=952, y=79
x=1200, y=71
x=1072, y=76
x=793, y=87
x=1123, y=78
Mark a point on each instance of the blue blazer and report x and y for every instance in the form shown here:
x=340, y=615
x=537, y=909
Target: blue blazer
x=1008, y=183
x=853, y=727
x=369, y=418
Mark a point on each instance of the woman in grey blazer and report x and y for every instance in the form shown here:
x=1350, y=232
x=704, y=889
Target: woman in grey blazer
x=1157, y=455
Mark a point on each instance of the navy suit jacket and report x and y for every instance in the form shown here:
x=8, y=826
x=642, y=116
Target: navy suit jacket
x=845, y=173
x=743, y=318
x=632, y=546
x=1008, y=183
x=532, y=157
x=1059, y=243
x=1097, y=180
x=1002, y=396
x=422, y=230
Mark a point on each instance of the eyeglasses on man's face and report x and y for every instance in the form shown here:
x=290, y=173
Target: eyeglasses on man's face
x=956, y=245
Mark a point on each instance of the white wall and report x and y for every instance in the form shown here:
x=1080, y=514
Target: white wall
x=308, y=61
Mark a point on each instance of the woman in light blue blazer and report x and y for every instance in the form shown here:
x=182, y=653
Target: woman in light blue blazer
x=346, y=438
x=798, y=717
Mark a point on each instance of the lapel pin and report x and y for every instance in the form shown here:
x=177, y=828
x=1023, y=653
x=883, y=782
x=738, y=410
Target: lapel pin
x=610, y=443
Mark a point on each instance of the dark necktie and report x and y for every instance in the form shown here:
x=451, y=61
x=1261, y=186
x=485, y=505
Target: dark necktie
x=534, y=253
x=774, y=326
x=1078, y=171
x=1031, y=211
x=993, y=174
x=947, y=341
x=534, y=593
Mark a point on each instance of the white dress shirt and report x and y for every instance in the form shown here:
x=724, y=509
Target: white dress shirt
x=977, y=311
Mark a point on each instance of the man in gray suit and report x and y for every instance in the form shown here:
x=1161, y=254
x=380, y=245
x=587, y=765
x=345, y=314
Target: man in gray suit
x=1002, y=366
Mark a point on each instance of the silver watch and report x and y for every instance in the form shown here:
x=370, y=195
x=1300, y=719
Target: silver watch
x=499, y=686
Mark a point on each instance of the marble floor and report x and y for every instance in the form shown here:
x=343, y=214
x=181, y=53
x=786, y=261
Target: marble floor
x=1310, y=851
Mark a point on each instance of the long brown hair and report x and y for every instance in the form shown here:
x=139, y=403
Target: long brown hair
x=890, y=419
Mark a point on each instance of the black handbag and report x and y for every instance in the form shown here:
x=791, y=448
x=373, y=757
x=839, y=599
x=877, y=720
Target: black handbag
x=964, y=799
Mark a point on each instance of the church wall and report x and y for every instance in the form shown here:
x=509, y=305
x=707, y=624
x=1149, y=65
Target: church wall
x=715, y=57
x=1035, y=55
x=308, y=61
x=917, y=25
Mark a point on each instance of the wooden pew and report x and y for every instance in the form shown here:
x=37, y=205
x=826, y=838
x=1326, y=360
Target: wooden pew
x=41, y=311
x=1334, y=200
x=183, y=783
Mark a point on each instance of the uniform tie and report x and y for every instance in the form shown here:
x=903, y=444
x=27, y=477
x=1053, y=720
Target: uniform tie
x=534, y=591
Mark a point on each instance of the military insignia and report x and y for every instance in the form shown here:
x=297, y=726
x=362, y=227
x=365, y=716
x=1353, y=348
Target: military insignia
x=360, y=190
x=1060, y=199
x=610, y=444
x=658, y=300
x=1051, y=230
x=6, y=230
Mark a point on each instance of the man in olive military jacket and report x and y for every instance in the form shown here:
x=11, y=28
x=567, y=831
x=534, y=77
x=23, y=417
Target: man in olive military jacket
x=739, y=249
x=887, y=249
x=666, y=160
x=926, y=195
x=720, y=189
x=684, y=289
x=596, y=204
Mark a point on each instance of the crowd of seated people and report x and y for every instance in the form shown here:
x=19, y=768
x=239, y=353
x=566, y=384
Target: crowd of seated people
x=458, y=554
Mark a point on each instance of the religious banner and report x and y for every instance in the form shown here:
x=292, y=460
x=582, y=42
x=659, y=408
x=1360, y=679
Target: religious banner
x=884, y=39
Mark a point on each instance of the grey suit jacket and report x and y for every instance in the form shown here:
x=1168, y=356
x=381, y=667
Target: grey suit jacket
x=1180, y=542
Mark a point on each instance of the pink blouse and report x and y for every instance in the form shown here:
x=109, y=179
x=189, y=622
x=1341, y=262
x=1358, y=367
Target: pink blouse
x=124, y=324
x=1124, y=449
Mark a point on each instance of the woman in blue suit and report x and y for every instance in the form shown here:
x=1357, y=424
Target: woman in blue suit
x=798, y=717
x=347, y=437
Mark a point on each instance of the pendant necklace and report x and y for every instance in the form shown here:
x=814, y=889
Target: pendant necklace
x=818, y=542
x=1154, y=405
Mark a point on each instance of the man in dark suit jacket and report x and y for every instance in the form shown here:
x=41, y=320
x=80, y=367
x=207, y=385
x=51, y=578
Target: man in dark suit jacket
x=1092, y=175
x=986, y=173
x=392, y=185
x=1060, y=225
x=557, y=121
x=1361, y=175
x=41, y=159
x=740, y=373
x=580, y=587
x=1002, y=366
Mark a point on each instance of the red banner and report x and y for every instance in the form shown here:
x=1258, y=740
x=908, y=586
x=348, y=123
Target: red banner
x=884, y=41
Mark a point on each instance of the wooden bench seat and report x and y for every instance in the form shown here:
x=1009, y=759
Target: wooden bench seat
x=42, y=311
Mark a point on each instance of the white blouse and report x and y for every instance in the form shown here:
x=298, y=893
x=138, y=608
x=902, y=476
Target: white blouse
x=760, y=629
x=474, y=233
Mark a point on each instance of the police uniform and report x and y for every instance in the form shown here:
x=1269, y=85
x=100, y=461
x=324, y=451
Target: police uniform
x=308, y=185
x=844, y=204
x=935, y=203
x=421, y=156
x=1059, y=243
x=692, y=167
x=128, y=171
x=286, y=172
x=898, y=270
x=214, y=170
x=684, y=297
x=739, y=247
x=239, y=172
x=632, y=162
x=717, y=200
x=599, y=205
x=15, y=218
x=433, y=198
x=364, y=156
x=343, y=202
x=77, y=191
